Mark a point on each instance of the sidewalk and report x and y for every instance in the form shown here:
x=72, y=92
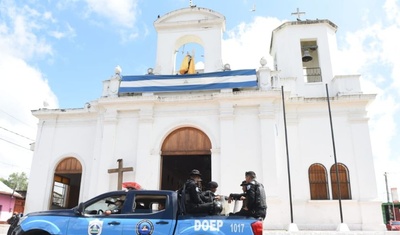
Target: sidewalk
x=4, y=229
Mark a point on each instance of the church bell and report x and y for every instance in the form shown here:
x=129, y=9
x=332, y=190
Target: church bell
x=306, y=56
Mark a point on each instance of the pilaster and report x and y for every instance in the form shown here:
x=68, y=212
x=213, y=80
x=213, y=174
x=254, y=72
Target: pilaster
x=103, y=157
x=143, y=154
x=226, y=153
x=268, y=148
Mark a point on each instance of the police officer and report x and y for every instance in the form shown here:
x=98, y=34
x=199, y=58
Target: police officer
x=209, y=194
x=13, y=221
x=195, y=202
x=255, y=196
x=240, y=196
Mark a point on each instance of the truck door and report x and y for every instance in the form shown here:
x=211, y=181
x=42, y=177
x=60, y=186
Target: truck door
x=101, y=215
x=95, y=225
x=150, y=214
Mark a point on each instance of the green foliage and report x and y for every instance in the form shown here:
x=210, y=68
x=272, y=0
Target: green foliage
x=4, y=181
x=16, y=180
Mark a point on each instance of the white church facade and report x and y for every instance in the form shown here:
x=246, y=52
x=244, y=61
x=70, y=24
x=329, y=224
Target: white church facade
x=222, y=122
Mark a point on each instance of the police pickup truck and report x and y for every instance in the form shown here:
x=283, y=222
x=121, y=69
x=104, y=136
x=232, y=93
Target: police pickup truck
x=141, y=212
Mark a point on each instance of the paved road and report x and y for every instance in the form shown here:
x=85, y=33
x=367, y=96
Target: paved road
x=4, y=229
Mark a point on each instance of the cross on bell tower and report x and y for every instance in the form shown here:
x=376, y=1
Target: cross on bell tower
x=298, y=13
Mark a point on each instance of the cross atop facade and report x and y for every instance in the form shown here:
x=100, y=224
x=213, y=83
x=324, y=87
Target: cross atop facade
x=120, y=170
x=298, y=13
x=191, y=4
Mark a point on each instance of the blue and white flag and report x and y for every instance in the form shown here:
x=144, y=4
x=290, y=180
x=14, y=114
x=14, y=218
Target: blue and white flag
x=189, y=82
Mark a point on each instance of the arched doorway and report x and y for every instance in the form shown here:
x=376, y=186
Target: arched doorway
x=66, y=184
x=184, y=149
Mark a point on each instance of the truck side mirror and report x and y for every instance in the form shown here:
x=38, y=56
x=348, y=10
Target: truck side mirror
x=80, y=209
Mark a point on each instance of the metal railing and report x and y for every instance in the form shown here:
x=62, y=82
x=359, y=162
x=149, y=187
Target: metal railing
x=312, y=74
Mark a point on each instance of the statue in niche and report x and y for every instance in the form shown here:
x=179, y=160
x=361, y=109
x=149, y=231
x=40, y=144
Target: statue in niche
x=188, y=64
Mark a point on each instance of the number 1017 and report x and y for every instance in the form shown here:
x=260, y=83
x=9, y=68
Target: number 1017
x=237, y=228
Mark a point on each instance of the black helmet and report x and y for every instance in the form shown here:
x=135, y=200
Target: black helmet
x=216, y=208
x=212, y=184
x=195, y=172
x=252, y=174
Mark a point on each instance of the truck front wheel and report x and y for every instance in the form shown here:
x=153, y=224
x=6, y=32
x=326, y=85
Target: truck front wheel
x=37, y=232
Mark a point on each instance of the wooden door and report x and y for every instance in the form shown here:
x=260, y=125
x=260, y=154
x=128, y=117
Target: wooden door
x=184, y=149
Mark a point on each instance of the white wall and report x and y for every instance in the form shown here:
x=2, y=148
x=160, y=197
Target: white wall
x=236, y=125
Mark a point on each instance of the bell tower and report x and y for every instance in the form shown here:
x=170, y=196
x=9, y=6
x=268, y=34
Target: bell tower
x=189, y=25
x=304, y=51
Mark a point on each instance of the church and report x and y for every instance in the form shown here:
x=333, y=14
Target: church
x=299, y=124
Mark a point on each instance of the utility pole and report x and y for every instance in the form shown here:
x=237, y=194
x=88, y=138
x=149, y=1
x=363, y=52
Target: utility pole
x=387, y=187
x=387, y=195
x=334, y=155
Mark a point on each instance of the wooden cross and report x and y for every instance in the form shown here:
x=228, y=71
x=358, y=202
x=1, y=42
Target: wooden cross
x=298, y=13
x=120, y=170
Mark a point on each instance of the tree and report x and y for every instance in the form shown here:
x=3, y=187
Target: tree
x=17, y=181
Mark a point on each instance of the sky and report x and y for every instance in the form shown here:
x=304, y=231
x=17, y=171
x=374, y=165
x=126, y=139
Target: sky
x=56, y=54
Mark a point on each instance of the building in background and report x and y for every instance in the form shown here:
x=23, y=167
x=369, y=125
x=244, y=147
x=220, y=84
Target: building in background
x=10, y=202
x=222, y=122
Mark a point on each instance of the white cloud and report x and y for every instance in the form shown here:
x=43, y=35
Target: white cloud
x=383, y=125
x=17, y=35
x=392, y=11
x=389, y=54
x=128, y=36
x=49, y=16
x=68, y=32
x=199, y=65
x=66, y=4
x=24, y=87
x=57, y=34
x=122, y=12
x=24, y=90
x=251, y=41
x=373, y=51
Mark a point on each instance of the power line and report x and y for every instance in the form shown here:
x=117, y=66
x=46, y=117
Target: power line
x=14, y=144
x=14, y=165
x=15, y=133
x=16, y=118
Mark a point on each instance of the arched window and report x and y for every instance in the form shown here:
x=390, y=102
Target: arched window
x=344, y=182
x=318, y=179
